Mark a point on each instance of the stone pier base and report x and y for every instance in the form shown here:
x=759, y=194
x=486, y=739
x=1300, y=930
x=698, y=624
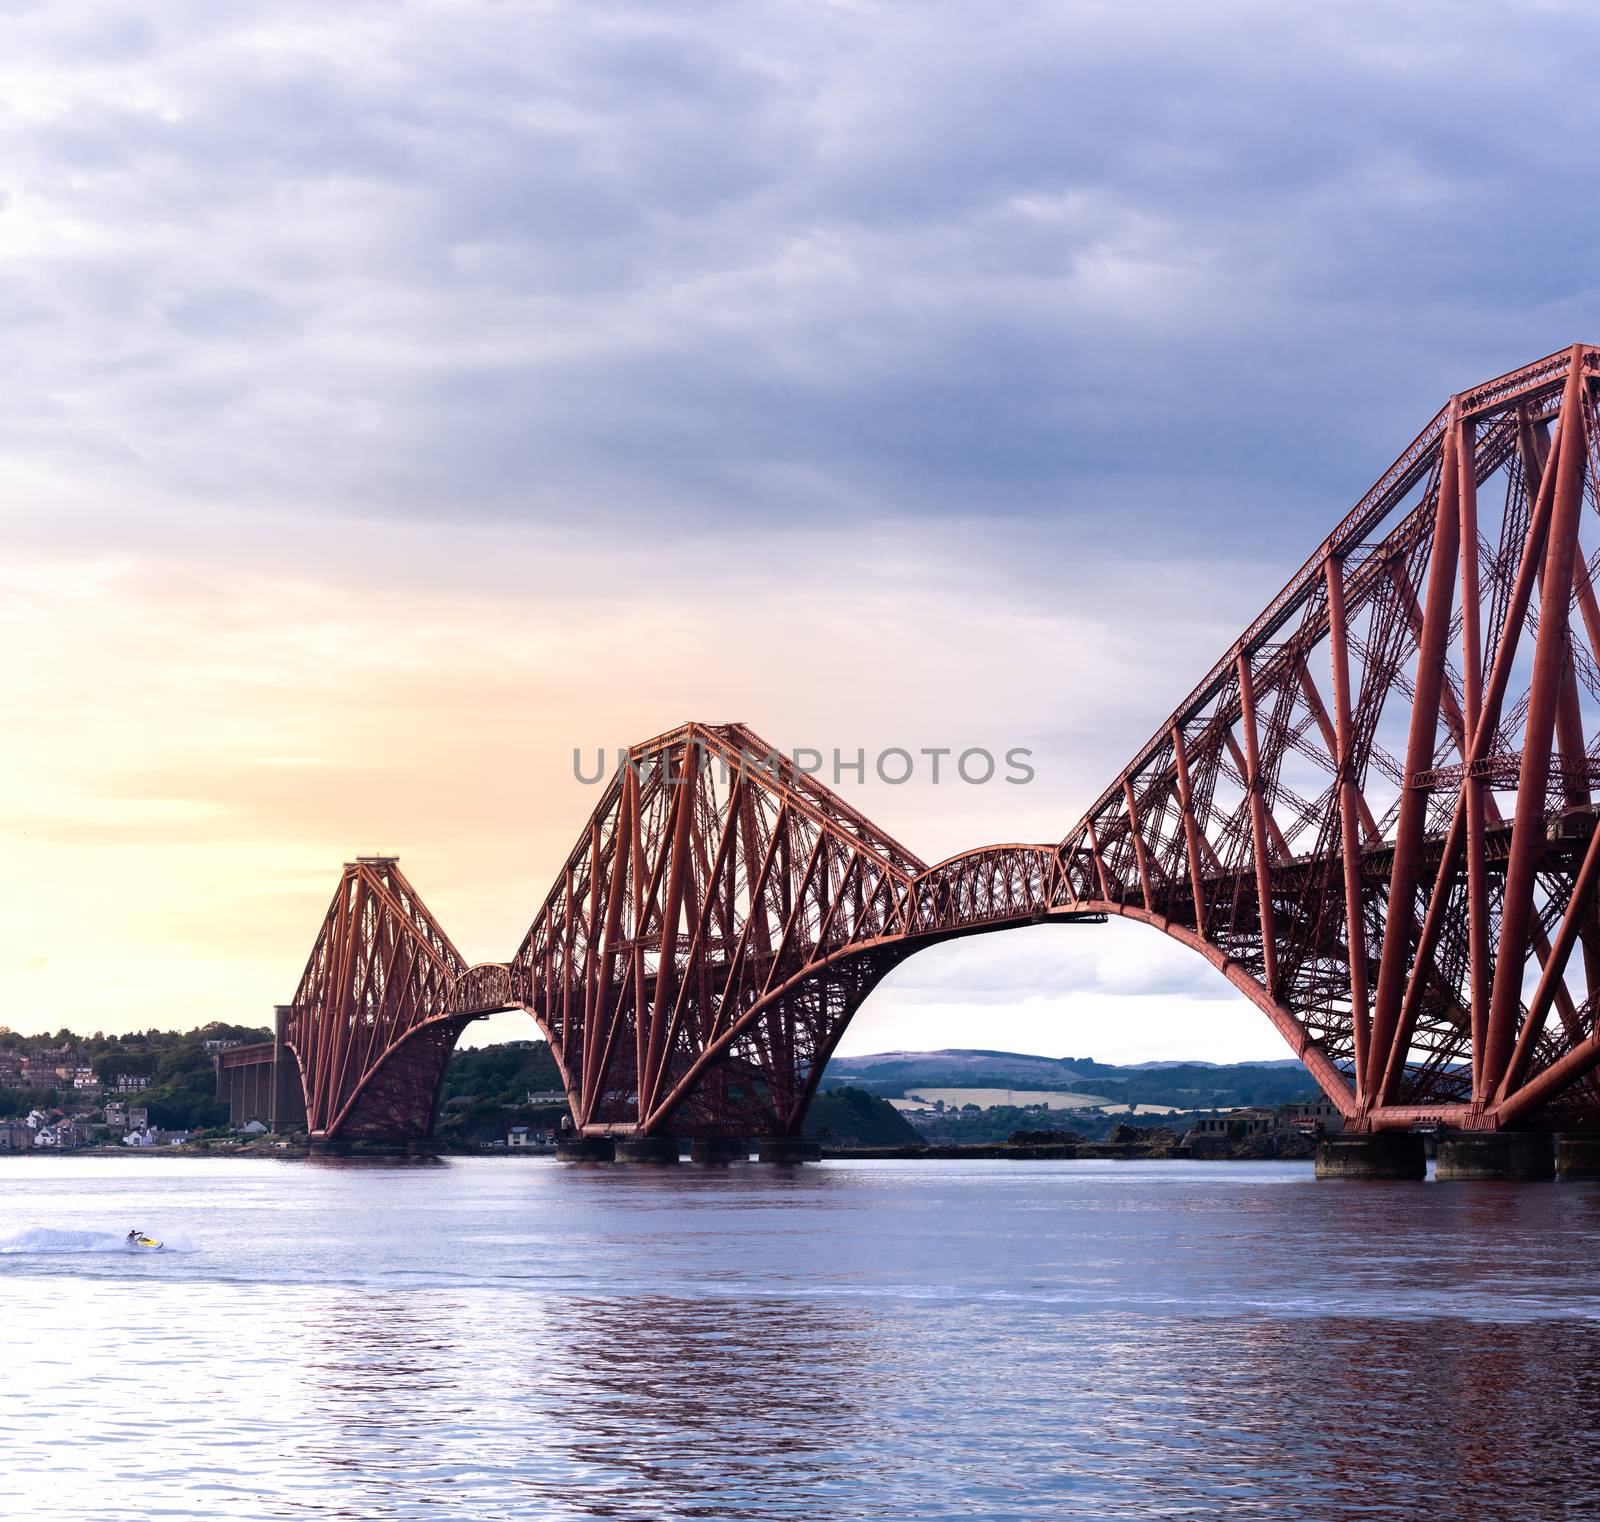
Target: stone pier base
x=1518, y=1155
x=1578, y=1155
x=788, y=1149
x=585, y=1149
x=720, y=1149
x=367, y=1146
x=1372, y=1154
x=648, y=1149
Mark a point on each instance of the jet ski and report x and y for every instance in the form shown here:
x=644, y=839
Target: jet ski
x=139, y=1241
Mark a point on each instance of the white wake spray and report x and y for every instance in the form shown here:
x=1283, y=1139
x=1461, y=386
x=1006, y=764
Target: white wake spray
x=55, y=1239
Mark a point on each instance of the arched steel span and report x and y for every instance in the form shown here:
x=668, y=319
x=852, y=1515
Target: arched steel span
x=1374, y=816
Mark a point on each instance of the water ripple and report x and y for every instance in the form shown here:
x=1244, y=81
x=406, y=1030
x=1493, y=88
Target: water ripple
x=509, y=1339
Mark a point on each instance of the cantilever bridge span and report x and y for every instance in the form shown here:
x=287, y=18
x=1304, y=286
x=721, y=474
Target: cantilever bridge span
x=1374, y=815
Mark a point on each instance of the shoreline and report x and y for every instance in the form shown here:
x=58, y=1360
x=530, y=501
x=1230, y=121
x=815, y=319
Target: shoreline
x=1059, y=1152
x=949, y=1152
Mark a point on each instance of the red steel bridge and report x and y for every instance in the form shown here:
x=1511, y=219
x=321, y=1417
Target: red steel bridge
x=1374, y=815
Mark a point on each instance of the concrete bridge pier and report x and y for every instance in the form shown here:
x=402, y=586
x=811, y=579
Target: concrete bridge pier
x=788, y=1149
x=416, y=1149
x=1578, y=1155
x=648, y=1149
x=1372, y=1155
x=1511, y=1155
x=720, y=1149
x=585, y=1149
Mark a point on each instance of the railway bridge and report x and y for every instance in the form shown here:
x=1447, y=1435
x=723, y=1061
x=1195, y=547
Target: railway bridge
x=1374, y=815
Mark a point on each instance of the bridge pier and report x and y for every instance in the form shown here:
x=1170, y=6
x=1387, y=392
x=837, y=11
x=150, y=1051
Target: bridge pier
x=788, y=1149
x=1578, y=1154
x=585, y=1149
x=363, y=1146
x=1512, y=1155
x=648, y=1149
x=720, y=1149
x=1372, y=1155
x=261, y=1081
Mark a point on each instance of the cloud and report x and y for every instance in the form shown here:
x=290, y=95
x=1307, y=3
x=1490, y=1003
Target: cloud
x=468, y=261
x=398, y=397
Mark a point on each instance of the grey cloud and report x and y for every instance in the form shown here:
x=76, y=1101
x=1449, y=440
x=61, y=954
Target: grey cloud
x=1173, y=273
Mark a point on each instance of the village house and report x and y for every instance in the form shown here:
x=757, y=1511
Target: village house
x=62, y=1134
x=48, y=1068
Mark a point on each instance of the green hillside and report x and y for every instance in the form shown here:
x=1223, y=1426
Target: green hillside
x=1188, y=1085
x=848, y=1117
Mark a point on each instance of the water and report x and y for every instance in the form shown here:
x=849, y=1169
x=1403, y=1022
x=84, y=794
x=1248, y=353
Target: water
x=509, y=1338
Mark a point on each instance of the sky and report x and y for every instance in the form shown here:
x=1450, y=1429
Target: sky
x=399, y=397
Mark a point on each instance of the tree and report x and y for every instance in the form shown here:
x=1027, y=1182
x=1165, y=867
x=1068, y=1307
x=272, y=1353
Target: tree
x=111, y=1065
x=857, y=1118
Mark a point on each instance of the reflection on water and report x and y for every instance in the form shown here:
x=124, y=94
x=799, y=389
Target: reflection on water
x=737, y=1399
x=339, y=1160
x=511, y=1339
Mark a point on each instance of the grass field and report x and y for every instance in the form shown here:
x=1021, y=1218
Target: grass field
x=987, y=1099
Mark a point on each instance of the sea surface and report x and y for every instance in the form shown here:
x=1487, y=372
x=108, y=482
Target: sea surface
x=514, y=1338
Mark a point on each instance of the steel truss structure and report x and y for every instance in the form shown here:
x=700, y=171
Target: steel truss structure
x=1375, y=816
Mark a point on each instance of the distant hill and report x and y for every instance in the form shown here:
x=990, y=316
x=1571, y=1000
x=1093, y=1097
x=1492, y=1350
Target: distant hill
x=1188, y=1085
x=957, y=1069
x=1276, y=1062
x=485, y=1088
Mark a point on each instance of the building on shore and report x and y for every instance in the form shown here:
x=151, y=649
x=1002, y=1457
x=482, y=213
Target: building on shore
x=1319, y=1117
x=1313, y=1118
